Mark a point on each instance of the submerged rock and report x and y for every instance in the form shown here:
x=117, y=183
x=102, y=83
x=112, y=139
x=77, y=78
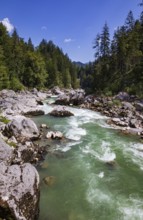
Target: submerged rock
x=49, y=180
x=111, y=164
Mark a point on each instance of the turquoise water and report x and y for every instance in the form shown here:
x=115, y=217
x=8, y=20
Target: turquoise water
x=86, y=186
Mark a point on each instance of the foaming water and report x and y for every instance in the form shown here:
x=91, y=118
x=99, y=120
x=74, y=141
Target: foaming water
x=87, y=186
x=132, y=208
x=47, y=108
x=104, y=152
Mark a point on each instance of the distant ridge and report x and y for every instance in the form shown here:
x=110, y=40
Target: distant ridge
x=79, y=64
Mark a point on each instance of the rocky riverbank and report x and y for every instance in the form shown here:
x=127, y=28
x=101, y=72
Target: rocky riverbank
x=20, y=147
x=19, y=180
x=124, y=111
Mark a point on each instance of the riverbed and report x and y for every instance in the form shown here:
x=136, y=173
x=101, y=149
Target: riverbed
x=99, y=175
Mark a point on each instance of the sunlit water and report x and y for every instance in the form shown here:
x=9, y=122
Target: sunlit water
x=86, y=187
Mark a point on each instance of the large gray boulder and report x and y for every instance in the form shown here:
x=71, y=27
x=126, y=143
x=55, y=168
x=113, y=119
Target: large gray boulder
x=19, y=187
x=61, y=112
x=74, y=97
x=36, y=112
x=19, y=192
x=63, y=99
x=77, y=97
x=21, y=127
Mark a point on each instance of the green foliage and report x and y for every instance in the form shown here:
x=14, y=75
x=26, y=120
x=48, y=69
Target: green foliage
x=23, y=65
x=117, y=102
x=61, y=71
x=15, y=84
x=35, y=70
x=4, y=119
x=118, y=65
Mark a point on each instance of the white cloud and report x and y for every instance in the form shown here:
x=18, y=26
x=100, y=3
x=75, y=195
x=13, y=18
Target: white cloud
x=68, y=40
x=7, y=24
x=79, y=47
x=43, y=28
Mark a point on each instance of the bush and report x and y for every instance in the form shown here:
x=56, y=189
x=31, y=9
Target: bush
x=16, y=85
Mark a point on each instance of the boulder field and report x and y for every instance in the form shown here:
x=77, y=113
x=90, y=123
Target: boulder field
x=19, y=179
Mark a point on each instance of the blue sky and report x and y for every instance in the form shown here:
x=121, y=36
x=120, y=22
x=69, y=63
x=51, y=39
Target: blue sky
x=70, y=24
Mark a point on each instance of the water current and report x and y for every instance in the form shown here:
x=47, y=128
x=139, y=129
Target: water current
x=87, y=186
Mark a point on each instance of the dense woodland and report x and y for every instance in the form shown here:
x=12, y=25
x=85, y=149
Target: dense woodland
x=24, y=66
x=118, y=64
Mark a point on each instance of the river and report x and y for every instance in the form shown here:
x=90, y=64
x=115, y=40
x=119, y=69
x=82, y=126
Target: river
x=86, y=186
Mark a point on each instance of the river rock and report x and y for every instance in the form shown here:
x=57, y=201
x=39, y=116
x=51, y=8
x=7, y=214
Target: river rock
x=6, y=152
x=43, y=126
x=19, y=192
x=29, y=152
x=123, y=96
x=63, y=99
x=71, y=97
x=21, y=127
x=134, y=123
x=77, y=97
x=54, y=135
x=139, y=106
x=49, y=180
x=61, y=112
x=117, y=122
x=127, y=105
x=7, y=93
x=34, y=112
x=132, y=131
x=57, y=91
x=19, y=187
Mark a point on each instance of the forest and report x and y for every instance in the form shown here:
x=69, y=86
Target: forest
x=22, y=66
x=118, y=64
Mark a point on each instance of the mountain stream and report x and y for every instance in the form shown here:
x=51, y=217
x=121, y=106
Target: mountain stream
x=98, y=175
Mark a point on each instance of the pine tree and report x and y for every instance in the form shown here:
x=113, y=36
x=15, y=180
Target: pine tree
x=105, y=42
x=96, y=46
x=30, y=45
x=130, y=21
